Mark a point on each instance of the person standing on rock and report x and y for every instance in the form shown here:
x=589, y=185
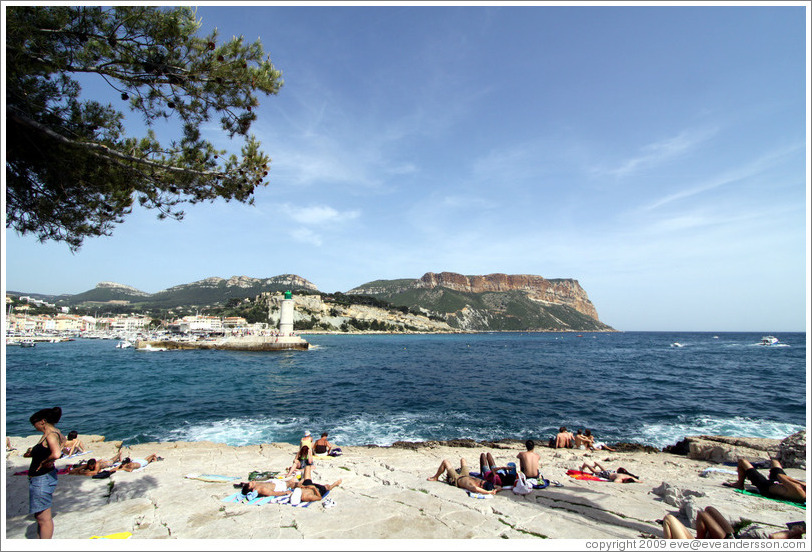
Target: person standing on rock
x=42, y=478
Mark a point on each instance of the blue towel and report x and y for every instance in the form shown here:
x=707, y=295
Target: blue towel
x=249, y=498
x=236, y=497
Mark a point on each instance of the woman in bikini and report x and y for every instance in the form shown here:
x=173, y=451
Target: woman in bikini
x=463, y=479
x=42, y=478
x=302, y=459
x=73, y=444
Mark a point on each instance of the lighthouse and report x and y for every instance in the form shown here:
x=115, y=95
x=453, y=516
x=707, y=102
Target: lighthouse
x=286, y=315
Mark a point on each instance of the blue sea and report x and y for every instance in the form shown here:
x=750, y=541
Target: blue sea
x=378, y=389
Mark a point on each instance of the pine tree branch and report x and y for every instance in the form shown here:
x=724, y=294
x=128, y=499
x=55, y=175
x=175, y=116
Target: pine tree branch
x=103, y=151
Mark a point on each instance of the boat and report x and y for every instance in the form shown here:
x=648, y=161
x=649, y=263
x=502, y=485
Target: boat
x=677, y=344
x=27, y=343
x=769, y=340
x=124, y=344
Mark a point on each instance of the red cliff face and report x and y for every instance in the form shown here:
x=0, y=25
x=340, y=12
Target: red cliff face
x=564, y=292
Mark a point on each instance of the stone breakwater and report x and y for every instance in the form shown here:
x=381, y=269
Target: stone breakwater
x=384, y=495
x=261, y=343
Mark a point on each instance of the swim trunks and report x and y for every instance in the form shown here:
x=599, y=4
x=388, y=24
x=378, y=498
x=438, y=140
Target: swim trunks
x=762, y=483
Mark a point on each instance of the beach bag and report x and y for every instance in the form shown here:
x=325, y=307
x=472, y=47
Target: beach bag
x=522, y=487
x=336, y=451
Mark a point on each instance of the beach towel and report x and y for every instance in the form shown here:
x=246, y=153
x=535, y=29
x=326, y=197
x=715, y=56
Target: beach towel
x=254, y=499
x=251, y=498
x=575, y=474
x=212, y=478
x=122, y=535
x=61, y=471
x=76, y=454
x=479, y=495
x=748, y=493
x=262, y=476
x=708, y=471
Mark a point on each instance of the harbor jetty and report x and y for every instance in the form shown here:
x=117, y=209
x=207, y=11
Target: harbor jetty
x=283, y=340
x=241, y=343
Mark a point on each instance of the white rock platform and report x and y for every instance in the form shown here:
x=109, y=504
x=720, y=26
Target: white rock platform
x=384, y=495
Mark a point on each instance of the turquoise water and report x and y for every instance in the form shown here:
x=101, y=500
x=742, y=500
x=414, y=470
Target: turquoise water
x=377, y=389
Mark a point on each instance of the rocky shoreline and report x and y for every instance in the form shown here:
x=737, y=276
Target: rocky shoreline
x=384, y=494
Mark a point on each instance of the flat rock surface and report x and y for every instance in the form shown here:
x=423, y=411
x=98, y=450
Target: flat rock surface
x=384, y=494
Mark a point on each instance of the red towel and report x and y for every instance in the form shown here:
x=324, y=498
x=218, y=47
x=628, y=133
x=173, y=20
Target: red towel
x=60, y=471
x=575, y=474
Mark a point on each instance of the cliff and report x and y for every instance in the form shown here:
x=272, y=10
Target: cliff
x=494, y=301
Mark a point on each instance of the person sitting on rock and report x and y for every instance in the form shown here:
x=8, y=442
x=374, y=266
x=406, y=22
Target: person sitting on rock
x=580, y=441
x=303, y=458
x=778, y=485
x=619, y=476
x=564, y=439
x=529, y=460
x=592, y=445
x=463, y=479
x=73, y=444
x=322, y=447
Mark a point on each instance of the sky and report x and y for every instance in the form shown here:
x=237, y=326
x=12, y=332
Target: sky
x=655, y=153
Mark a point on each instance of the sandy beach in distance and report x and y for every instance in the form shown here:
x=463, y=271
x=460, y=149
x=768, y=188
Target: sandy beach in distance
x=384, y=494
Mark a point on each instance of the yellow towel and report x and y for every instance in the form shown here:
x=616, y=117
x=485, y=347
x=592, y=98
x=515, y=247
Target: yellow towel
x=123, y=535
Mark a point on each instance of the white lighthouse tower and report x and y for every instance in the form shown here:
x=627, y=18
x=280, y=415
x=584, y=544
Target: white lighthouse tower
x=286, y=315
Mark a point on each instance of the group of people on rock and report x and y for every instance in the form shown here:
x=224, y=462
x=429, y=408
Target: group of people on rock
x=305, y=489
x=491, y=478
x=583, y=440
x=42, y=473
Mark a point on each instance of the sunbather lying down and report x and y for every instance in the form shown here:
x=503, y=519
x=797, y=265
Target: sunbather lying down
x=463, y=479
x=710, y=524
x=94, y=466
x=313, y=492
x=131, y=464
x=621, y=475
x=778, y=485
x=274, y=487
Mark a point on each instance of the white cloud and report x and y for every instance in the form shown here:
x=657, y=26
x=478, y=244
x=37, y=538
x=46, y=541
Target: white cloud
x=318, y=214
x=736, y=174
x=656, y=153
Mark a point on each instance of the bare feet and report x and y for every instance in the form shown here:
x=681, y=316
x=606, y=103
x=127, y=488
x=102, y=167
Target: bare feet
x=432, y=478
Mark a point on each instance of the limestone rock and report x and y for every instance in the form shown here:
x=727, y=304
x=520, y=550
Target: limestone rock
x=792, y=451
x=675, y=496
x=716, y=448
